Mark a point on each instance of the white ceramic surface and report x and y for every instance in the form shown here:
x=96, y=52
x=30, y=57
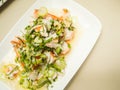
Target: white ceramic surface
x=89, y=28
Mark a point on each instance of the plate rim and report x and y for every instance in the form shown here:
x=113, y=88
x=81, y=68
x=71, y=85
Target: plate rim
x=29, y=9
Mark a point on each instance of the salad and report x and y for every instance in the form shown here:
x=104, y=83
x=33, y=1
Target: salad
x=41, y=50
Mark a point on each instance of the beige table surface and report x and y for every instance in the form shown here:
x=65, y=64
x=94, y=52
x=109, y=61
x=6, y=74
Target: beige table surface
x=101, y=70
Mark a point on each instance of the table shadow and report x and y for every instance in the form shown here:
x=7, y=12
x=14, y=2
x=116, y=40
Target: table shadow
x=5, y=5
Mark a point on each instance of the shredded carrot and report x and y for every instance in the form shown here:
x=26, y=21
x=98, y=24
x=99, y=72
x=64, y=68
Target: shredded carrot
x=37, y=57
x=20, y=39
x=15, y=75
x=18, y=42
x=37, y=29
x=36, y=11
x=52, y=54
x=54, y=17
x=65, y=11
x=16, y=51
x=68, y=41
x=22, y=64
x=15, y=42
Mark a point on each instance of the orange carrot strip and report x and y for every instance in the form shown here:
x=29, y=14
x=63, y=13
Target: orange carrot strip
x=37, y=57
x=65, y=11
x=22, y=64
x=36, y=11
x=37, y=29
x=54, y=17
x=16, y=51
x=15, y=75
x=15, y=42
x=52, y=54
x=68, y=41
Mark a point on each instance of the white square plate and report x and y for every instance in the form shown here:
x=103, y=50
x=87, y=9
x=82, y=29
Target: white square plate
x=90, y=28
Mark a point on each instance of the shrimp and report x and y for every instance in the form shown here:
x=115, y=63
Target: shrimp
x=52, y=44
x=50, y=57
x=65, y=48
x=69, y=35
